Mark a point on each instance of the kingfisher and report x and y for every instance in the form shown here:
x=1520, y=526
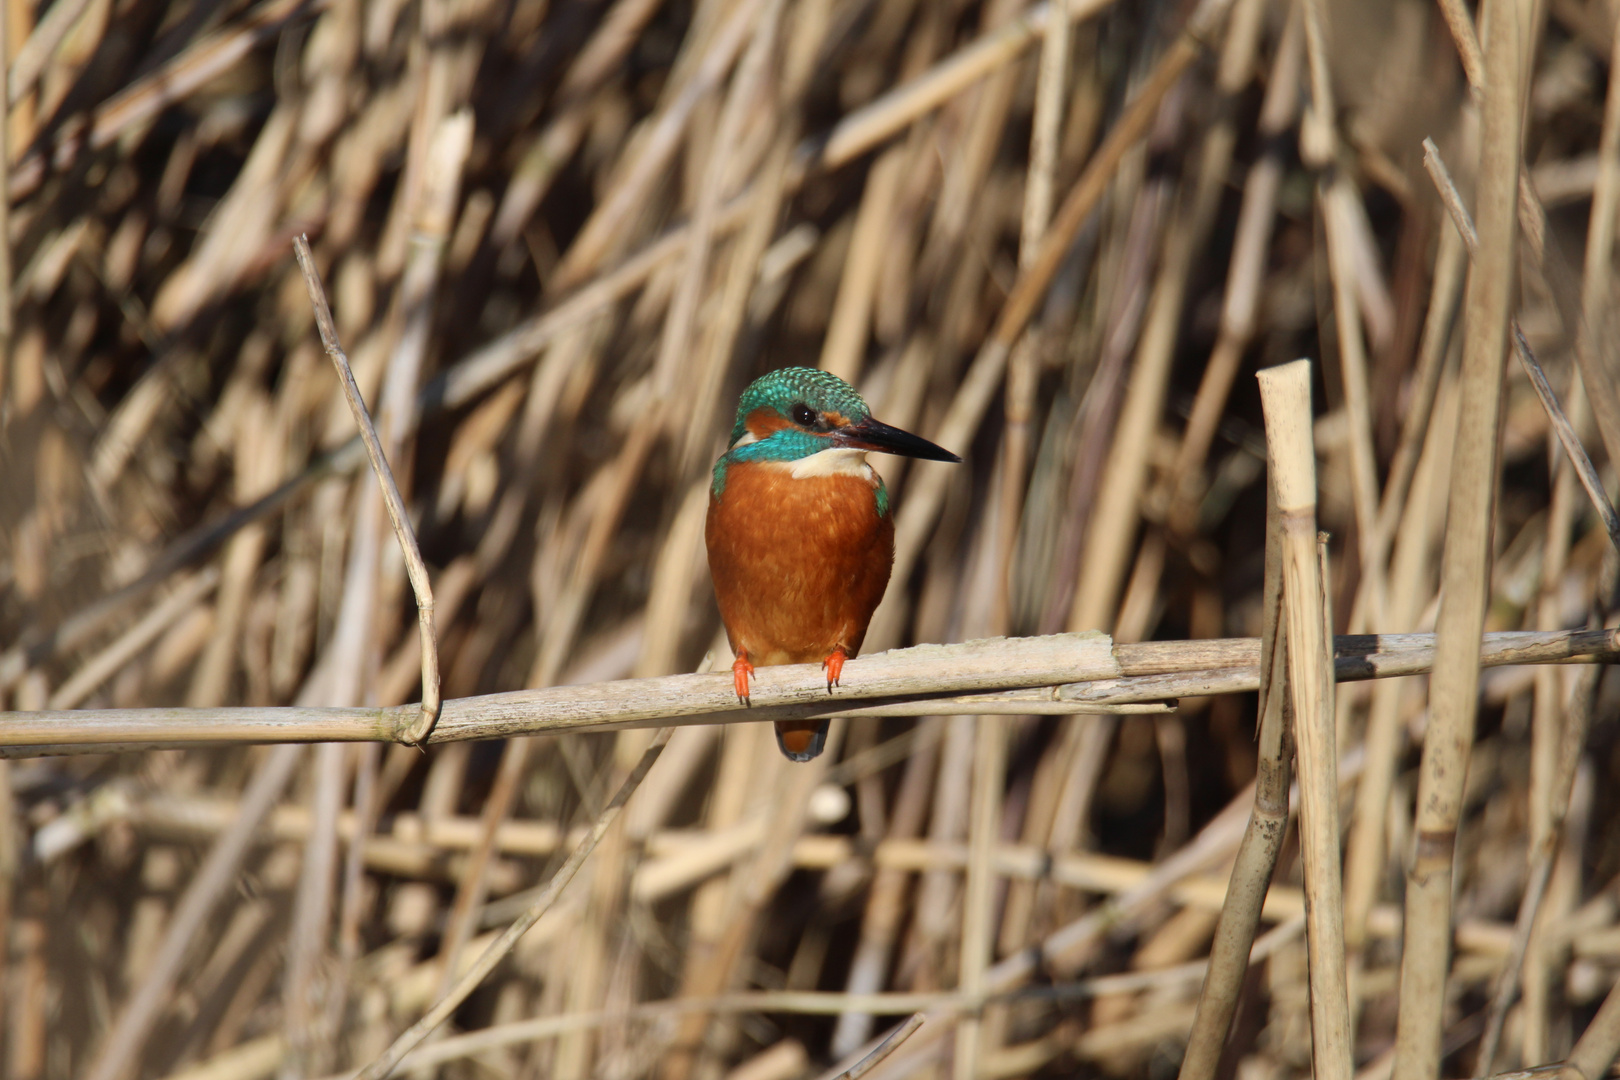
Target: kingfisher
x=799, y=531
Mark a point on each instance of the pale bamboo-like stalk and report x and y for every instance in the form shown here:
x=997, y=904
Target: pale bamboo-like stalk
x=1285, y=394
x=1453, y=693
x=1023, y=362
x=1046, y=129
x=1545, y=846
x=1262, y=839
x=1062, y=674
x=503, y=945
x=428, y=711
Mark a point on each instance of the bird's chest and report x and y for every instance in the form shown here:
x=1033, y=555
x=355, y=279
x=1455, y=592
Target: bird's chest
x=799, y=563
x=767, y=514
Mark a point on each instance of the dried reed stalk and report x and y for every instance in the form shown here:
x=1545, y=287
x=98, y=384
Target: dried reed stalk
x=1117, y=674
x=1453, y=689
x=428, y=710
x=868, y=173
x=1286, y=394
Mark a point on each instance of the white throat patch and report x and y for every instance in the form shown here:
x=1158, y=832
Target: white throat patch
x=837, y=461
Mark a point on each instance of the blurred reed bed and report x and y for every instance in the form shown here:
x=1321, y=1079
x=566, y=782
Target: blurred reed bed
x=559, y=238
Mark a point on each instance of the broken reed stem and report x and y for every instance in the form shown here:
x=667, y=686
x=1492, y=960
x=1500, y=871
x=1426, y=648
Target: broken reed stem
x=428, y=712
x=1262, y=839
x=1285, y=395
x=504, y=944
x=1454, y=687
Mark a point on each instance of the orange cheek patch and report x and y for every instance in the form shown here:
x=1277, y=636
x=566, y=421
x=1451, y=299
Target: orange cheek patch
x=836, y=419
x=762, y=422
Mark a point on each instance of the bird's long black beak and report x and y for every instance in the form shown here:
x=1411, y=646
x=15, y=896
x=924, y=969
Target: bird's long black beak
x=870, y=434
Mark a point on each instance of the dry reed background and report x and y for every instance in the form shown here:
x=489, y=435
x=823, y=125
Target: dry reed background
x=560, y=236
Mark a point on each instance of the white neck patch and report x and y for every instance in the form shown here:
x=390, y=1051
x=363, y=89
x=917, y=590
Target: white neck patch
x=837, y=461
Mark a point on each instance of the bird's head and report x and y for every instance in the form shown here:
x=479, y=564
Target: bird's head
x=796, y=412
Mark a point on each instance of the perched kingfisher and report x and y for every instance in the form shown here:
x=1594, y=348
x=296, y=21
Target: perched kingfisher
x=800, y=537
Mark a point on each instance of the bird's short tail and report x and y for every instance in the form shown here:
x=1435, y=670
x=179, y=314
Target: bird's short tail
x=801, y=740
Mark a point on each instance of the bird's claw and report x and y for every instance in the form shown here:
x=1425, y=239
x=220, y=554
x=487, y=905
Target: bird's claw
x=741, y=671
x=834, y=667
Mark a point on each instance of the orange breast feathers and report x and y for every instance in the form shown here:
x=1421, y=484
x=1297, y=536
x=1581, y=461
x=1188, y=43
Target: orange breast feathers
x=799, y=564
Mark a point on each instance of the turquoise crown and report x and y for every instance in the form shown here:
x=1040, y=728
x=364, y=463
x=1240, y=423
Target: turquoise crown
x=784, y=388
x=784, y=391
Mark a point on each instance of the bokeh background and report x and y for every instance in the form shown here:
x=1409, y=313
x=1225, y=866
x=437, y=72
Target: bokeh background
x=559, y=237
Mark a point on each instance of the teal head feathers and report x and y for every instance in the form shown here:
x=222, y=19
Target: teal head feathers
x=793, y=414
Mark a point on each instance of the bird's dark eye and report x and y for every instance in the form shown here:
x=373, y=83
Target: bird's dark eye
x=804, y=415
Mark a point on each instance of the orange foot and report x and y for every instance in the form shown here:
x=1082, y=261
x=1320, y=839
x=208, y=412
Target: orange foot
x=741, y=671
x=834, y=666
